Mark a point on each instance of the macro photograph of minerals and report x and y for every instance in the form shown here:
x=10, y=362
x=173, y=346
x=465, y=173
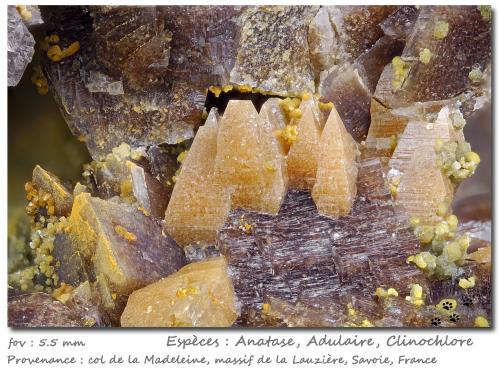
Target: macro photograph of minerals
x=249, y=166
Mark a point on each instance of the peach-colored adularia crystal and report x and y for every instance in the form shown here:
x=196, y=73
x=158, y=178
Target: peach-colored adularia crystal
x=250, y=159
x=335, y=188
x=200, y=294
x=302, y=157
x=199, y=204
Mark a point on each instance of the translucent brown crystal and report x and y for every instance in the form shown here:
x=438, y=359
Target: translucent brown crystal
x=343, y=86
x=200, y=294
x=126, y=246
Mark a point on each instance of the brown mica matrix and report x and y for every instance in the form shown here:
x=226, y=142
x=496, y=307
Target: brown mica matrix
x=302, y=257
x=199, y=205
x=250, y=159
x=199, y=294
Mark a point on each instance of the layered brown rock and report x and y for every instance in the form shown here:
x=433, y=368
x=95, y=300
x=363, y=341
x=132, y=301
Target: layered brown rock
x=301, y=256
x=200, y=294
x=199, y=203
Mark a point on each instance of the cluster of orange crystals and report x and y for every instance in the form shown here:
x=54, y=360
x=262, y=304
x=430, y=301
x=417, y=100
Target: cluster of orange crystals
x=243, y=160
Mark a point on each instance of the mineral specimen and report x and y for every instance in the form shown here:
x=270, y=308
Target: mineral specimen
x=323, y=195
x=200, y=294
x=199, y=204
x=20, y=46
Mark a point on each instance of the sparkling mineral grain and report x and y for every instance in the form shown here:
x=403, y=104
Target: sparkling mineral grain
x=125, y=246
x=200, y=294
x=40, y=310
x=20, y=46
x=199, y=204
x=334, y=191
x=250, y=160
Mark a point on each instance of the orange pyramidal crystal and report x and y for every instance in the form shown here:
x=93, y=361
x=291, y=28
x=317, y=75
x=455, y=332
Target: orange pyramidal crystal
x=250, y=159
x=335, y=188
x=302, y=157
x=200, y=294
x=274, y=117
x=418, y=183
x=199, y=204
x=419, y=134
x=423, y=186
